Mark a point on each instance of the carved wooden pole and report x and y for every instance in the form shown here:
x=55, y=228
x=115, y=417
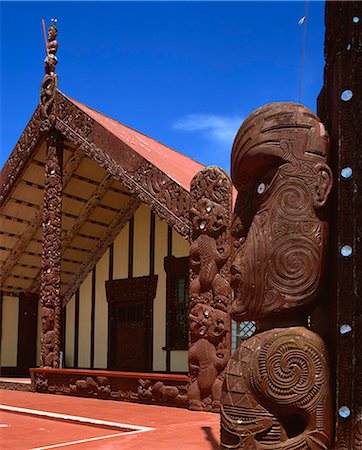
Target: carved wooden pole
x=340, y=108
x=51, y=255
x=52, y=206
x=210, y=292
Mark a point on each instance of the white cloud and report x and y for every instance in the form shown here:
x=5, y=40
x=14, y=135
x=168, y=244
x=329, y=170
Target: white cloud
x=213, y=127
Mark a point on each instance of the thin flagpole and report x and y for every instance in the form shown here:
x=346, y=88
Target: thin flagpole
x=45, y=35
x=304, y=40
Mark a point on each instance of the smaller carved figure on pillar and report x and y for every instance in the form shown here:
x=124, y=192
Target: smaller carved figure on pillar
x=208, y=356
x=47, y=340
x=51, y=49
x=49, y=83
x=210, y=291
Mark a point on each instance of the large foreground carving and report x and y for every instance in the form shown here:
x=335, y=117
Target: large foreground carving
x=276, y=392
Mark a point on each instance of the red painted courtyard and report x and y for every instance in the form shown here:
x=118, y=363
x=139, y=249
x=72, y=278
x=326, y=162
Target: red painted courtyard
x=39, y=422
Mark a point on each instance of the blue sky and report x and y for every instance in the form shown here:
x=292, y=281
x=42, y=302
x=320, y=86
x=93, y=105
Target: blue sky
x=185, y=73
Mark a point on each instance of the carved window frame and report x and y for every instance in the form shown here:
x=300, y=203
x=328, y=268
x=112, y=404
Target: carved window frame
x=176, y=269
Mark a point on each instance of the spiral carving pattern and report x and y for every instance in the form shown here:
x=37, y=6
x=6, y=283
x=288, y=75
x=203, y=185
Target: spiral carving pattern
x=290, y=371
x=292, y=266
x=294, y=200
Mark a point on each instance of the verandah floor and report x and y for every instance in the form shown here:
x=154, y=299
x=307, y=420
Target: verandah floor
x=171, y=428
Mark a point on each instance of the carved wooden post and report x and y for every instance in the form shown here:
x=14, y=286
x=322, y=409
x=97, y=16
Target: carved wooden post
x=51, y=255
x=340, y=107
x=52, y=214
x=210, y=292
x=277, y=392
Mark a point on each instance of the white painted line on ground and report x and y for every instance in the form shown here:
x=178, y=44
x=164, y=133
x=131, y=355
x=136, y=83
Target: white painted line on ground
x=15, y=380
x=82, y=441
x=75, y=419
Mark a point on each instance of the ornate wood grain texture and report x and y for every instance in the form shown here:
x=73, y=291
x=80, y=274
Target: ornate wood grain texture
x=210, y=291
x=343, y=118
x=103, y=243
x=163, y=195
x=51, y=253
x=159, y=389
x=276, y=393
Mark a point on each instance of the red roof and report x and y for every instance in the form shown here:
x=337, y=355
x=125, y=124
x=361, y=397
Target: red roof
x=177, y=166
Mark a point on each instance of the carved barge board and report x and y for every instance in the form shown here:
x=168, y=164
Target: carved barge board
x=210, y=291
x=20, y=156
x=140, y=387
x=343, y=118
x=158, y=191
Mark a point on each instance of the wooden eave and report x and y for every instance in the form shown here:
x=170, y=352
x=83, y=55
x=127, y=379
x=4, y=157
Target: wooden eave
x=104, y=181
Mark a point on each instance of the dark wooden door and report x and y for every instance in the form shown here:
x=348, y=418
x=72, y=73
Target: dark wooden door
x=27, y=332
x=130, y=323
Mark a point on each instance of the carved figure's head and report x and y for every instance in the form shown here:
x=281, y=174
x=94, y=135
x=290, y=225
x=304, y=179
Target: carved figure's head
x=52, y=33
x=47, y=319
x=207, y=322
x=279, y=167
x=209, y=217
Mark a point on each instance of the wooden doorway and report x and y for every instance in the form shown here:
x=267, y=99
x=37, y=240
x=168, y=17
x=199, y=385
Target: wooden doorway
x=130, y=320
x=27, y=333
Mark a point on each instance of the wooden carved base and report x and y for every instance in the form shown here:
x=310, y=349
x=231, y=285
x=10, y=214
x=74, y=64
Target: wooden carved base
x=276, y=393
x=139, y=387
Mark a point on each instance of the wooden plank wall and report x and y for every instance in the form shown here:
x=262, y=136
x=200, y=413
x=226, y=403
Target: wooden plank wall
x=139, y=250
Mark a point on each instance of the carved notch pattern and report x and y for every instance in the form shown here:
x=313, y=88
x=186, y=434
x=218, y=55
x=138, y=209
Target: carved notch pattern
x=210, y=291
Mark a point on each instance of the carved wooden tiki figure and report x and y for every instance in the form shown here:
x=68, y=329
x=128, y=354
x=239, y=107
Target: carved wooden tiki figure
x=276, y=392
x=210, y=291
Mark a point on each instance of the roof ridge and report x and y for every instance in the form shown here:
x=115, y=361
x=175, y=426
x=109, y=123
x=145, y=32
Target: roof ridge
x=74, y=101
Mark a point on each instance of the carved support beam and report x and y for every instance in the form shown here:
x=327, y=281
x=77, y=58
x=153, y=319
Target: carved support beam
x=210, y=292
x=87, y=210
x=51, y=254
x=34, y=225
x=104, y=242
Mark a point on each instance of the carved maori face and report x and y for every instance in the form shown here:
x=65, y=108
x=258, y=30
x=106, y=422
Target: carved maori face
x=207, y=322
x=52, y=33
x=209, y=217
x=279, y=169
x=47, y=318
